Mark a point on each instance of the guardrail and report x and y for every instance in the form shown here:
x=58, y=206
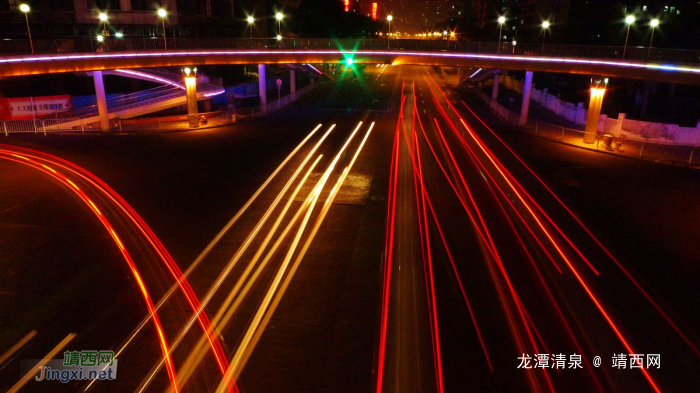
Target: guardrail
x=53, y=126
x=86, y=45
x=635, y=148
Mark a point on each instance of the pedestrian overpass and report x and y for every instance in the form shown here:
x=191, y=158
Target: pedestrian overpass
x=19, y=58
x=56, y=56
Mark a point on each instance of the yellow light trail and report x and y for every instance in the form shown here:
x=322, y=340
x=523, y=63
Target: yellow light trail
x=231, y=264
x=17, y=346
x=33, y=370
x=211, y=244
x=220, y=319
x=225, y=313
x=273, y=306
x=237, y=361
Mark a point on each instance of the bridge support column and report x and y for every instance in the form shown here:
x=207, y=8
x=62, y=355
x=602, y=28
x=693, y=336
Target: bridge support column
x=191, y=94
x=262, y=87
x=292, y=82
x=494, y=89
x=102, y=109
x=527, y=91
x=598, y=85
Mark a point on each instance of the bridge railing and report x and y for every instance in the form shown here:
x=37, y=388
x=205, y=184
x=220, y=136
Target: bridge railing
x=47, y=126
x=87, y=45
x=635, y=148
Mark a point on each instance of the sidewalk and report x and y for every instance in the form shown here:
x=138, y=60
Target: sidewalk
x=536, y=112
x=670, y=154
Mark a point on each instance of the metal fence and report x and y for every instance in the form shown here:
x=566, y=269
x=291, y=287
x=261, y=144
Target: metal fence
x=77, y=125
x=86, y=45
x=620, y=146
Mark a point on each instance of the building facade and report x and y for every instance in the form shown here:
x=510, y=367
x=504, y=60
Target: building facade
x=134, y=18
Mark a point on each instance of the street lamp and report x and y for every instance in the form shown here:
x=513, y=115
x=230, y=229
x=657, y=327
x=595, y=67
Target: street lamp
x=545, y=27
x=654, y=24
x=25, y=8
x=501, y=21
x=251, y=20
x=389, y=18
x=103, y=18
x=629, y=20
x=162, y=14
x=279, y=16
x=279, y=37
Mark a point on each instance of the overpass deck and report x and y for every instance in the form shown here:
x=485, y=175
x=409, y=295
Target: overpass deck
x=75, y=55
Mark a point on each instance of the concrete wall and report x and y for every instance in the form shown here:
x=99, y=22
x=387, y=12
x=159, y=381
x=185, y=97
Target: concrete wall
x=630, y=129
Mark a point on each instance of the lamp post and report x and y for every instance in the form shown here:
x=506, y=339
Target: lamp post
x=501, y=21
x=251, y=20
x=388, y=35
x=103, y=19
x=25, y=9
x=545, y=27
x=162, y=14
x=279, y=16
x=629, y=20
x=654, y=24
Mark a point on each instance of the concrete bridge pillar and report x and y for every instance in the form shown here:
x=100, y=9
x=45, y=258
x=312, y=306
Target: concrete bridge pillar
x=102, y=109
x=494, y=89
x=292, y=82
x=597, y=93
x=527, y=92
x=191, y=94
x=262, y=85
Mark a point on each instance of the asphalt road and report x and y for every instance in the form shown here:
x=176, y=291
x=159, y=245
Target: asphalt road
x=441, y=260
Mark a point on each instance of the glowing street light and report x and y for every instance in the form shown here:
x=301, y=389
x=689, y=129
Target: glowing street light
x=251, y=21
x=162, y=14
x=279, y=16
x=545, y=27
x=654, y=24
x=501, y=21
x=103, y=19
x=279, y=37
x=629, y=20
x=25, y=9
x=389, y=18
x=119, y=34
x=100, y=38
